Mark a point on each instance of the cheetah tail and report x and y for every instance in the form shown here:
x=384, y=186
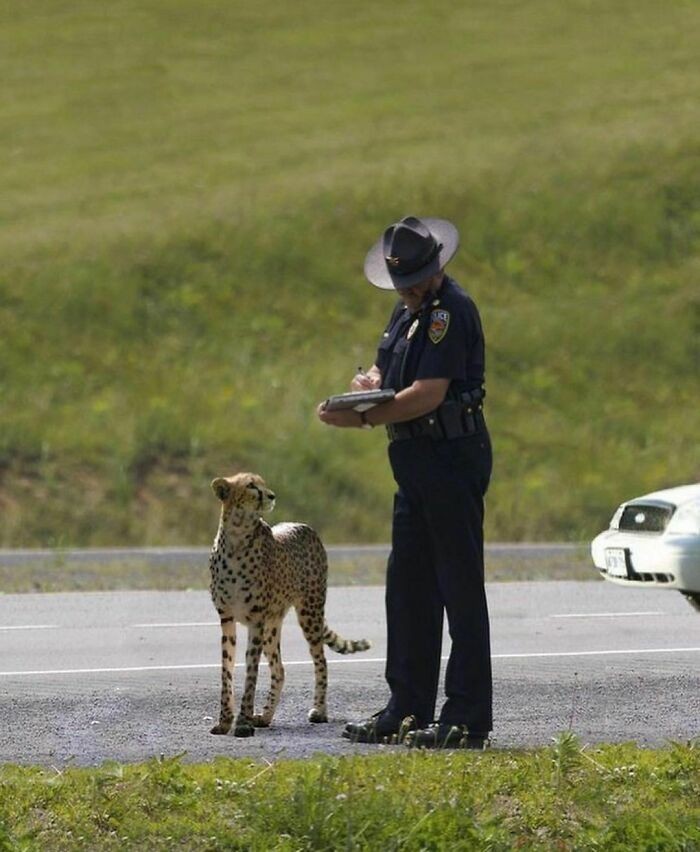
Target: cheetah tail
x=344, y=646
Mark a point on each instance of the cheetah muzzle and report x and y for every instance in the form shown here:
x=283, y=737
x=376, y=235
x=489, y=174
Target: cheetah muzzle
x=257, y=573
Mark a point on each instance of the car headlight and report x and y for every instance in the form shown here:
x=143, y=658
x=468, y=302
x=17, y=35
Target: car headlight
x=686, y=520
x=615, y=520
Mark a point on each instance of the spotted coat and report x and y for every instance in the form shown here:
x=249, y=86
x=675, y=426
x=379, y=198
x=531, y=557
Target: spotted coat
x=257, y=573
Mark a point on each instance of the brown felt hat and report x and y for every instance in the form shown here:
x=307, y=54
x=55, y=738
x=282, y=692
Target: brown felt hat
x=411, y=251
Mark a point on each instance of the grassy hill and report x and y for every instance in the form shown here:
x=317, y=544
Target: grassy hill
x=189, y=190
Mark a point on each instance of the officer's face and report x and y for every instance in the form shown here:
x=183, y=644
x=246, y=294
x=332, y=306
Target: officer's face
x=413, y=297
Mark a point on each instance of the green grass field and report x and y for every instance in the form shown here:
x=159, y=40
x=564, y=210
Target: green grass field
x=189, y=190
x=566, y=797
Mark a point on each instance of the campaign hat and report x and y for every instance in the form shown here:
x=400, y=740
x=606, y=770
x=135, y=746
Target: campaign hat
x=410, y=251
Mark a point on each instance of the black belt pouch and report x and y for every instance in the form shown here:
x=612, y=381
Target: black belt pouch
x=451, y=416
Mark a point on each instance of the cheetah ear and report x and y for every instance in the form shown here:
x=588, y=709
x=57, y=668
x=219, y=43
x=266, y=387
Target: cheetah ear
x=221, y=488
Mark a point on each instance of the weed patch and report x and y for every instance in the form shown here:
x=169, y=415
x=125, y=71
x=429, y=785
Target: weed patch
x=567, y=797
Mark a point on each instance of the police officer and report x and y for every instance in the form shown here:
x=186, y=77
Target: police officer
x=432, y=355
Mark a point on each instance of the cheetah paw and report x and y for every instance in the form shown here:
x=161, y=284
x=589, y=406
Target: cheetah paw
x=260, y=721
x=244, y=729
x=317, y=716
x=221, y=728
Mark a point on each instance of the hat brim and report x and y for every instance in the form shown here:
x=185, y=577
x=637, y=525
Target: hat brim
x=376, y=269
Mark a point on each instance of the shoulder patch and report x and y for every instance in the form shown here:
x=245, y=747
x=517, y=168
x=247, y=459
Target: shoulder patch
x=439, y=323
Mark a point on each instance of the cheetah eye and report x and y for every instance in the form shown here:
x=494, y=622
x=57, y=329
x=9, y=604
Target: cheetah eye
x=253, y=489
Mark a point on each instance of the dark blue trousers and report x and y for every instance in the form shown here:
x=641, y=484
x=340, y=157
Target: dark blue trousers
x=437, y=566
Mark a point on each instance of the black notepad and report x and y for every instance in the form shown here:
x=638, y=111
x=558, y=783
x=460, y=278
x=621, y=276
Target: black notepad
x=359, y=400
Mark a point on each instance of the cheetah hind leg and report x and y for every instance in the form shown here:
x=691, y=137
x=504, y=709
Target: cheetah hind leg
x=271, y=649
x=312, y=625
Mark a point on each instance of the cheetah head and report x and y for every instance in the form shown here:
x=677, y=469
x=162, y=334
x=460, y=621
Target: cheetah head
x=244, y=497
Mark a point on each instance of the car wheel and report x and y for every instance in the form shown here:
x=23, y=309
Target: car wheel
x=693, y=599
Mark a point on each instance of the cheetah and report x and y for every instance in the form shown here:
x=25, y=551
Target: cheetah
x=257, y=573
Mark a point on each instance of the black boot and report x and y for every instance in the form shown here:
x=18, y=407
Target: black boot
x=443, y=735
x=382, y=727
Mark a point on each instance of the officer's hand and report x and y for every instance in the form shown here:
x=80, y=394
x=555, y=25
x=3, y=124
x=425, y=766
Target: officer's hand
x=344, y=418
x=365, y=381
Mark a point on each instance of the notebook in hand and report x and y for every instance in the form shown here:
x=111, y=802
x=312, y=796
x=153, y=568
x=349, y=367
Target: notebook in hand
x=359, y=400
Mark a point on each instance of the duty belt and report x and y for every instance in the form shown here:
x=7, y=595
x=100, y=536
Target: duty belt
x=450, y=420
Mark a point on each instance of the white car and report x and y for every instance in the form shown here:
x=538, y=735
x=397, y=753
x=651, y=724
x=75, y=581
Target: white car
x=654, y=540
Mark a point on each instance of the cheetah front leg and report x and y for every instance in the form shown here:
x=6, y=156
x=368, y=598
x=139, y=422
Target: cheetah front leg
x=228, y=657
x=271, y=648
x=312, y=626
x=244, y=722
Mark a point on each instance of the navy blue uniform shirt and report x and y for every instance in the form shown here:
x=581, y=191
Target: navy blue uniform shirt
x=444, y=340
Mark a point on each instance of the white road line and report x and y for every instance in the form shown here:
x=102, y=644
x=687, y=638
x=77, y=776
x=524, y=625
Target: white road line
x=534, y=655
x=613, y=652
x=30, y=627
x=179, y=624
x=114, y=670
x=604, y=614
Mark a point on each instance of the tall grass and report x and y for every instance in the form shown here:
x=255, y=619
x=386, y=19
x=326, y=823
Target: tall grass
x=565, y=797
x=189, y=193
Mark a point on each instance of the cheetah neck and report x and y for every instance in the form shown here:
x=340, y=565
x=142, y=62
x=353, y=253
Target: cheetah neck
x=231, y=535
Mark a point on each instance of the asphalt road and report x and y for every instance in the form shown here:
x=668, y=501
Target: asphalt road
x=125, y=676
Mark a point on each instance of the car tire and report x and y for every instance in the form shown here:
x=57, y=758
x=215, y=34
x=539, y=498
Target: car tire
x=693, y=599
